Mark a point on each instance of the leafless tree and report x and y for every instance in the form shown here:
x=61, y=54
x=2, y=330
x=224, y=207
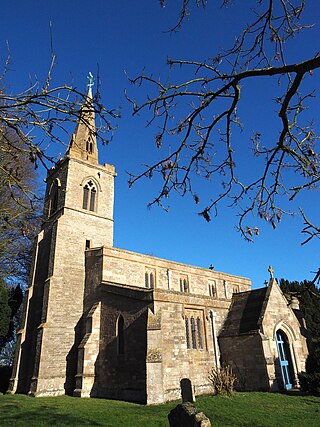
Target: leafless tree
x=198, y=118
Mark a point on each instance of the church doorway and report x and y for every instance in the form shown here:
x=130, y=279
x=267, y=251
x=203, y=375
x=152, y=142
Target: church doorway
x=284, y=359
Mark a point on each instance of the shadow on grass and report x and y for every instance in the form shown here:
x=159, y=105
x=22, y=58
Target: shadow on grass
x=42, y=416
x=5, y=373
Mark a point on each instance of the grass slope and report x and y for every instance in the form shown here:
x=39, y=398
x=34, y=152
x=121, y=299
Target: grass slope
x=242, y=409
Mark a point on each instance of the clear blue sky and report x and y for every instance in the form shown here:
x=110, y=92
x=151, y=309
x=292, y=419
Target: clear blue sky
x=124, y=35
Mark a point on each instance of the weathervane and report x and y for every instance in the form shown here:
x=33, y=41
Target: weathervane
x=91, y=80
x=271, y=271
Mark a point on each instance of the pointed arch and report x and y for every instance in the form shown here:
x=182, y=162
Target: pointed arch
x=56, y=182
x=287, y=329
x=89, y=197
x=54, y=196
x=94, y=180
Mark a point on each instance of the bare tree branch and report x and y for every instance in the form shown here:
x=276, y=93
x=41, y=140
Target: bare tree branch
x=198, y=116
x=311, y=230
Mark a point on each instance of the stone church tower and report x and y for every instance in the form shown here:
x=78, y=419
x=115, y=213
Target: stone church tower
x=78, y=215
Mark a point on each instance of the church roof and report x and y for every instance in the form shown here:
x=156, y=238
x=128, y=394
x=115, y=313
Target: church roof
x=245, y=313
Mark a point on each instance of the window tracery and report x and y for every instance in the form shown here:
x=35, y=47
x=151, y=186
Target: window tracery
x=89, y=196
x=194, y=325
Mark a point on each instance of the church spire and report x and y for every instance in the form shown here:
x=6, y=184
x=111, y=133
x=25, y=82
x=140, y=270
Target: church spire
x=83, y=144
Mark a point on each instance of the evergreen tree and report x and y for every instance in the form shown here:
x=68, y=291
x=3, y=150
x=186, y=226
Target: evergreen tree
x=309, y=297
x=19, y=208
x=5, y=312
x=19, y=220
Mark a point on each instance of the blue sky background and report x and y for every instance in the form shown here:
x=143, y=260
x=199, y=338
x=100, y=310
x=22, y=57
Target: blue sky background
x=126, y=36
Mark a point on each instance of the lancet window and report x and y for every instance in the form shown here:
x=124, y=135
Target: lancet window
x=89, y=147
x=184, y=284
x=187, y=321
x=235, y=289
x=89, y=196
x=212, y=289
x=149, y=278
x=54, y=197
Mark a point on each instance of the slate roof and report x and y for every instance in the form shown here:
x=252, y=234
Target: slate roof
x=244, y=313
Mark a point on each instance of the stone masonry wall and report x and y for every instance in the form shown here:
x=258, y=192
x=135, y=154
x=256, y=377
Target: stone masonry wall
x=126, y=267
x=122, y=375
x=244, y=353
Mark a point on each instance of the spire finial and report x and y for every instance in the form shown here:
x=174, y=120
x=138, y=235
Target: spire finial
x=83, y=144
x=90, y=79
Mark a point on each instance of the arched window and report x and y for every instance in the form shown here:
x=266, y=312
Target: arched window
x=89, y=147
x=187, y=332
x=93, y=199
x=235, y=289
x=54, y=200
x=120, y=335
x=150, y=278
x=195, y=331
x=184, y=284
x=54, y=197
x=199, y=331
x=86, y=193
x=146, y=279
x=212, y=289
x=285, y=361
x=89, y=197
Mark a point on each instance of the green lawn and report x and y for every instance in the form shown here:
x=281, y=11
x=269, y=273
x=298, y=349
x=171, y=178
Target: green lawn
x=242, y=409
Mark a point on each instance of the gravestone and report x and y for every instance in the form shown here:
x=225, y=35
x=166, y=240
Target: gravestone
x=186, y=390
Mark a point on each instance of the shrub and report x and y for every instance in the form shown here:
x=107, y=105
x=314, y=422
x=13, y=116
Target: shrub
x=223, y=380
x=310, y=382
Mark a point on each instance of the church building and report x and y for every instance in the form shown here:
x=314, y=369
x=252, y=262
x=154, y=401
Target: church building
x=100, y=321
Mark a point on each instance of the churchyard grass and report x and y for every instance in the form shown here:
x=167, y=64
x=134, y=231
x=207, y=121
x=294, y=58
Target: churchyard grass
x=241, y=409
